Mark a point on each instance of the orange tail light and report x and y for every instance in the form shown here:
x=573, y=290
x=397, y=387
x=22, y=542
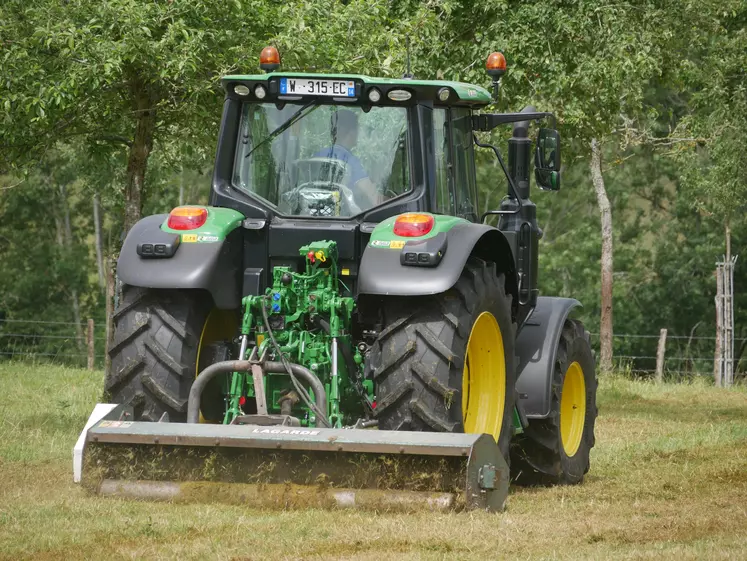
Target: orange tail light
x=412, y=225
x=187, y=217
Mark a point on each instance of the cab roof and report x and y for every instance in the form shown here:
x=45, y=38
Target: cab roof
x=461, y=94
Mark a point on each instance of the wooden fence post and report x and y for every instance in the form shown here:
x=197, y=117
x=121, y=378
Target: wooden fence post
x=660, y=356
x=91, y=350
x=717, y=354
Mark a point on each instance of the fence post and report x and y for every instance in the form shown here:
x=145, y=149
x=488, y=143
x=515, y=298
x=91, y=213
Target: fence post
x=718, y=352
x=660, y=356
x=89, y=338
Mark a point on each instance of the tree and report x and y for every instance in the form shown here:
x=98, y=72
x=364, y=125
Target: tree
x=123, y=73
x=588, y=62
x=711, y=139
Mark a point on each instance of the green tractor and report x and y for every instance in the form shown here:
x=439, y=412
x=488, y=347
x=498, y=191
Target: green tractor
x=340, y=326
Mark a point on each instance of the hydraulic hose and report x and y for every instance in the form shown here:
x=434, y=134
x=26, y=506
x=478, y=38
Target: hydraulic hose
x=303, y=394
x=225, y=367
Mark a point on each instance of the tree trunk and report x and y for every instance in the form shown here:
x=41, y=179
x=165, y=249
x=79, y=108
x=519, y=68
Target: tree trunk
x=727, y=235
x=181, y=186
x=68, y=245
x=98, y=241
x=137, y=160
x=605, y=212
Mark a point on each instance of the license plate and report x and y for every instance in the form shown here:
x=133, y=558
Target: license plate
x=304, y=86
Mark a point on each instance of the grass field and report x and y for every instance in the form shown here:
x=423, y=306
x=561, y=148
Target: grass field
x=668, y=480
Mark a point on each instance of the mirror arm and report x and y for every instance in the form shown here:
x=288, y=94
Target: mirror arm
x=511, y=184
x=488, y=121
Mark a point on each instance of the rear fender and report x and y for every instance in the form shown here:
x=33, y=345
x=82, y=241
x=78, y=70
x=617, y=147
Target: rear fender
x=208, y=258
x=383, y=274
x=536, y=348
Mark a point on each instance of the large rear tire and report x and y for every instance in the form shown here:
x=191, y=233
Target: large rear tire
x=157, y=337
x=555, y=450
x=446, y=363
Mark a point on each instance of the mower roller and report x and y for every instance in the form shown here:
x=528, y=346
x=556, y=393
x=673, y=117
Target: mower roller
x=339, y=327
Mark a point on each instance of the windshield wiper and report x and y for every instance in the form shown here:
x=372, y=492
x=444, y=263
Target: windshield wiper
x=297, y=116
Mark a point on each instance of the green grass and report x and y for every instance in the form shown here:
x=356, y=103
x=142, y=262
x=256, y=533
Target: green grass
x=668, y=480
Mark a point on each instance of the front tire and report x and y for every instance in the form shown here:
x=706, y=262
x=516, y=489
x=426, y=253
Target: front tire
x=445, y=363
x=556, y=450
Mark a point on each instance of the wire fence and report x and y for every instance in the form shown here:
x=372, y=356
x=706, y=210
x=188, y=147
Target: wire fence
x=67, y=343
x=684, y=355
x=53, y=341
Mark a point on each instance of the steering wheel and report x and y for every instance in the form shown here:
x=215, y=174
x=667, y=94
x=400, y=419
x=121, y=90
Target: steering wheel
x=321, y=198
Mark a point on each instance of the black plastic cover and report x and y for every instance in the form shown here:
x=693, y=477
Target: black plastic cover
x=424, y=253
x=536, y=347
x=382, y=273
x=155, y=243
x=214, y=267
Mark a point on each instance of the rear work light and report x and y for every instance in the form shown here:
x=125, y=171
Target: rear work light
x=187, y=217
x=412, y=225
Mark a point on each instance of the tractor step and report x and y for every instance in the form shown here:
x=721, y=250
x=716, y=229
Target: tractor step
x=289, y=466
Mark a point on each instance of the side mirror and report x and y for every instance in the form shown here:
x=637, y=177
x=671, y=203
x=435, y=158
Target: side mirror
x=547, y=160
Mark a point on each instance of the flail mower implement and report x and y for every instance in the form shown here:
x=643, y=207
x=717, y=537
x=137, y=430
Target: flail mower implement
x=339, y=327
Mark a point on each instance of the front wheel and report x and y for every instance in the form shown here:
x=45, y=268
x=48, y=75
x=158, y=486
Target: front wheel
x=555, y=450
x=445, y=363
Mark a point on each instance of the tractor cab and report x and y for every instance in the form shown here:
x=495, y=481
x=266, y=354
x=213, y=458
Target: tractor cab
x=349, y=146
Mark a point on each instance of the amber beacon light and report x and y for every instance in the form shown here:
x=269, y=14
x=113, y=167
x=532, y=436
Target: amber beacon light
x=496, y=64
x=269, y=59
x=496, y=68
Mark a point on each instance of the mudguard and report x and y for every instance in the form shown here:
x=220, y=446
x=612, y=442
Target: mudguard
x=536, y=346
x=201, y=260
x=383, y=273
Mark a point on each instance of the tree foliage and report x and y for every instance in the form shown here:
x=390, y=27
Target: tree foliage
x=121, y=98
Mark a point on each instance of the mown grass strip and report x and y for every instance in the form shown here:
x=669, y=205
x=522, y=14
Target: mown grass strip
x=668, y=480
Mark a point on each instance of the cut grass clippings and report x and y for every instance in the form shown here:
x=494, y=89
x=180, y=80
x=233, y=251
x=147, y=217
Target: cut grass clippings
x=668, y=481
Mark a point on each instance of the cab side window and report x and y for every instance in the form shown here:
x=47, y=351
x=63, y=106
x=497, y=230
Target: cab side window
x=445, y=203
x=456, y=188
x=464, y=164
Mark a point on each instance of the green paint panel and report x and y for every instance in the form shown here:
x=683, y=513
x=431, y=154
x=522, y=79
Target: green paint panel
x=470, y=93
x=384, y=230
x=220, y=222
x=518, y=429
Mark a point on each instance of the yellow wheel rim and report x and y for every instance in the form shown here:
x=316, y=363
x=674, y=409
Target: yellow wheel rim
x=484, y=378
x=220, y=325
x=572, y=409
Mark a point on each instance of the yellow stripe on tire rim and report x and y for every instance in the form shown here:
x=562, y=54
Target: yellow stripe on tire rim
x=484, y=378
x=220, y=325
x=572, y=409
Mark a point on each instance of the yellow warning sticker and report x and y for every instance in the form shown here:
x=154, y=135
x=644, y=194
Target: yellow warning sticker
x=189, y=238
x=397, y=244
x=346, y=272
